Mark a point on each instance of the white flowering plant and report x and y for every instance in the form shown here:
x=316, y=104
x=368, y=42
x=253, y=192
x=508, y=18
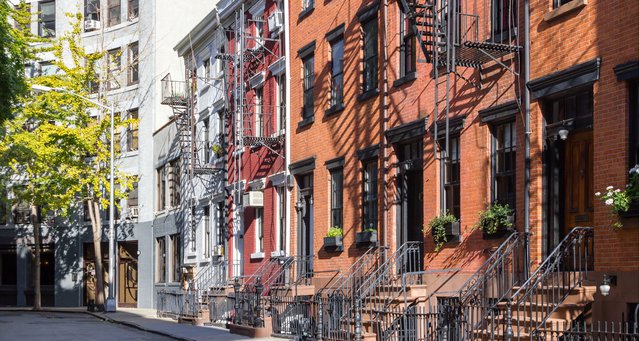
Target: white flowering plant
x=618, y=199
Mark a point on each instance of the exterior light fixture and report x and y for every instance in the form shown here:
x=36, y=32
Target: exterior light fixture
x=608, y=280
x=563, y=134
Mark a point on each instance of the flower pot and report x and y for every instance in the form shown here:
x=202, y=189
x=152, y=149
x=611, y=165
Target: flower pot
x=366, y=239
x=333, y=244
x=502, y=231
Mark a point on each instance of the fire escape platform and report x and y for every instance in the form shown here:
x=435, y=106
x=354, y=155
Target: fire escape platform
x=253, y=141
x=475, y=54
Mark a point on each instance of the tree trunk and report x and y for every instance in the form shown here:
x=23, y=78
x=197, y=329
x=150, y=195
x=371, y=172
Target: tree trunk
x=37, y=240
x=96, y=226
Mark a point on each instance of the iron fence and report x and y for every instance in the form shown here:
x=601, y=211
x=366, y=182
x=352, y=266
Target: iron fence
x=294, y=316
x=177, y=303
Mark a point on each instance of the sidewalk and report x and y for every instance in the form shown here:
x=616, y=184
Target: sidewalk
x=146, y=320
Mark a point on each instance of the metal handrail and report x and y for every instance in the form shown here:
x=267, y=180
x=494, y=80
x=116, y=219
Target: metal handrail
x=564, y=269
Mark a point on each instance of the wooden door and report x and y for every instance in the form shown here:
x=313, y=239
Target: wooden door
x=578, y=181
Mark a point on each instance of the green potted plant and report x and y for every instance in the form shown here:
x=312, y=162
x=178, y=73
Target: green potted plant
x=366, y=238
x=333, y=240
x=496, y=220
x=623, y=203
x=218, y=150
x=444, y=228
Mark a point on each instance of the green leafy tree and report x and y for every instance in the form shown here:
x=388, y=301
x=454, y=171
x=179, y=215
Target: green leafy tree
x=14, y=51
x=58, y=152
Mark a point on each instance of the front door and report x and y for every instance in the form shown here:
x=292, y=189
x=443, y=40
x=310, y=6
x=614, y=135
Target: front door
x=410, y=190
x=304, y=208
x=128, y=275
x=578, y=180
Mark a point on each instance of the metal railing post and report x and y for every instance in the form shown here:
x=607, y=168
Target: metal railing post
x=509, y=322
x=236, y=290
x=358, y=319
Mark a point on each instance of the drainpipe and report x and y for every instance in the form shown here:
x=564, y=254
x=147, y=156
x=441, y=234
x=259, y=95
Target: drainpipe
x=526, y=100
x=287, y=136
x=383, y=145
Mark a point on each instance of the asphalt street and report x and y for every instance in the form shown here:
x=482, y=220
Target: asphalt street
x=25, y=325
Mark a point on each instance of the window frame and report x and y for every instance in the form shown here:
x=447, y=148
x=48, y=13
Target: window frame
x=406, y=40
x=281, y=217
x=133, y=76
x=633, y=113
x=160, y=269
x=370, y=195
x=132, y=131
x=259, y=229
x=112, y=19
x=206, y=218
x=498, y=151
x=502, y=30
x=42, y=23
x=280, y=100
x=92, y=13
x=176, y=258
x=133, y=9
x=161, y=188
x=114, y=66
x=174, y=183
x=450, y=184
x=370, y=56
x=337, y=197
x=308, y=86
x=260, y=130
x=337, y=73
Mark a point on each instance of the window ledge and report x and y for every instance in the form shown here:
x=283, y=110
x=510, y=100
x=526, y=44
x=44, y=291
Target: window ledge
x=257, y=255
x=407, y=78
x=565, y=9
x=306, y=122
x=334, y=110
x=368, y=95
x=305, y=12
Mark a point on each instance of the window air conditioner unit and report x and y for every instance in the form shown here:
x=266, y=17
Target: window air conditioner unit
x=134, y=211
x=253, y=199
x=91, y=25
x=275, y=22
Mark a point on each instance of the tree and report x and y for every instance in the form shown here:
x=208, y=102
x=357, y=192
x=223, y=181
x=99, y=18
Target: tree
x=14, y=51
x=58, y=151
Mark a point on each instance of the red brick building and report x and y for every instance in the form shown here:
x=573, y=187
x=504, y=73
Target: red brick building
x=363, y=133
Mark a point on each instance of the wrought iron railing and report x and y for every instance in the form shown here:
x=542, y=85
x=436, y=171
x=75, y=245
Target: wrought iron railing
x=212, y=275
x=294, y=316
x=177, y=303
x=174, y=92
x=596, y=331
x=563, y=271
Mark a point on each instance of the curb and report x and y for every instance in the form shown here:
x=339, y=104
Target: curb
x=100, y=316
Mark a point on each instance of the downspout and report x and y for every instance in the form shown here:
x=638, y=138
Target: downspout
x=385, y=124
x=287, y=137
x=526, y=100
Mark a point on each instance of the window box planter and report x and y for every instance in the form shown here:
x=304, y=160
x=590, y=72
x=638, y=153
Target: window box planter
x=366, y=239
x=453, y=232
x=502, y=231
x=333, y=244
x=633, y=211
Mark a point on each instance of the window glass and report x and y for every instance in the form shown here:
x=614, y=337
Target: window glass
x=161, y=259
x=370, y=55
x=133, y=64
x=406, y=47
x=114, y=12
x=92, y=10
x=337, y=72
x=370, y=195
x=309, y=79
x=504, y=163
x=337, y=184
x=47, y=19
x=134, y=9
x=452, y=177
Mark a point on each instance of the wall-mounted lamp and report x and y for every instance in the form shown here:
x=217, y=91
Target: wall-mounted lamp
x=299, y=205
x=608, y=281
x=563, y=134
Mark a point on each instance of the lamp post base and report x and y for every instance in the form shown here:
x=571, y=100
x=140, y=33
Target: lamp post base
x=110, y=305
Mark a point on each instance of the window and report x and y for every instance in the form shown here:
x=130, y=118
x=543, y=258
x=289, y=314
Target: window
x=221, y=222
x=369, y=68
x=207, y=142
x=309, y=80
x=47, y=266
x=160, y=269
x=134, y=9
x=503, y=19
x=337, y=186
x=114, y=12
x=117, y=140
x=8, y=268
x=132, y=199
x=85, y=210
x=558, y=3
x=21, y=213
x=259, y=30
x=576, y=106
x=307, y=4
x=132, y=131
x=259, y=124
x=48, y=69
x=259, y=229
x=451, y=177
x=23, y=24
x=176, y=259
x=406, y=46
x=161, y=188
x=634, y=123
x=174, y=183
x=504, y=163
x=281, y=216
x=280, y=93
x=46, y=27
x=133, y=64
x=3, y=207
x=337, y=73
x=369, y=195
x=206, y=65
x=207, y=231
x=115, y=65
x=92, y=10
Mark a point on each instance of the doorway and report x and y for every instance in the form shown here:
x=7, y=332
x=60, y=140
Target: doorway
x=304, y=207
x=411, y=196
x=128, y=274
